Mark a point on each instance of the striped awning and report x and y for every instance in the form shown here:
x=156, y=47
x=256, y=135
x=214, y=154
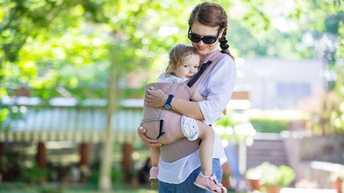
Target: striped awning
x=80, y=124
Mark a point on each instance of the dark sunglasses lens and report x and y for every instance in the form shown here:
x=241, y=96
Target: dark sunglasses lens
x=209, y=39
x=194, y=37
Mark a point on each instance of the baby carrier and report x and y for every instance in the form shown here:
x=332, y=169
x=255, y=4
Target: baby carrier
x=164, y=125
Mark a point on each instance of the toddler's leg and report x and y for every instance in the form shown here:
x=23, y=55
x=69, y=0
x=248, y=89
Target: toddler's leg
x=153, y=173
x=155, y=156
x=207, y=134
x=194, y=129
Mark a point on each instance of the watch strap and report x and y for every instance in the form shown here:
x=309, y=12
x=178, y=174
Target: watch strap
x=169, y=100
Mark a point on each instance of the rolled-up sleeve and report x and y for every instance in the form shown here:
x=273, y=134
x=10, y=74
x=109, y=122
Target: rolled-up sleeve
x=218, y=87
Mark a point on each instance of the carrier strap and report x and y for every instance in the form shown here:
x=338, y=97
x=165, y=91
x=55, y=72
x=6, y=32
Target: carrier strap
x=209, y=62
x=198, y=74
x=150, y=119
x=161, y=133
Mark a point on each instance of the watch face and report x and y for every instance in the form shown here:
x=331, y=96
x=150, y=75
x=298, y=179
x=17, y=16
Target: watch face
x=167, y=106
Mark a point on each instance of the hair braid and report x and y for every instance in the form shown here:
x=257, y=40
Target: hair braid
x=223, y=41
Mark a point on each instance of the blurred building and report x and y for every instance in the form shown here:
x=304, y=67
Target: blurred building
x=275, y=83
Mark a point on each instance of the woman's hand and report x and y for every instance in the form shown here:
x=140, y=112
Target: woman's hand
x=155, y=98
x=146, y=140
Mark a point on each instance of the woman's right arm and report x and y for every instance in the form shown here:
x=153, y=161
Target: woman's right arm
x=145, y=139
x=188, y=108
x=157, y=98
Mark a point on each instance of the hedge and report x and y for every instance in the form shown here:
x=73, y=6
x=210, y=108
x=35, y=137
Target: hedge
x=268, y=125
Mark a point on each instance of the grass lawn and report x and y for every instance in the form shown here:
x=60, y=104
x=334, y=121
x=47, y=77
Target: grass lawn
x=56, y=188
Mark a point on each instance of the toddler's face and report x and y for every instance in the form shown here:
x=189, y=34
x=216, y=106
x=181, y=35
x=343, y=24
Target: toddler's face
x=189, y=67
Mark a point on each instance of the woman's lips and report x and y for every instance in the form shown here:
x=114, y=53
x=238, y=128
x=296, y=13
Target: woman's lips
x=201, y=48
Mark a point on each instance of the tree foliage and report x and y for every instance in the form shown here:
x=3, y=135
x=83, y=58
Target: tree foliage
x=47, y=45
x=61, y=48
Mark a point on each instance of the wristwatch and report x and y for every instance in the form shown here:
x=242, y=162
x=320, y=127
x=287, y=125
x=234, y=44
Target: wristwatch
x=168, y=102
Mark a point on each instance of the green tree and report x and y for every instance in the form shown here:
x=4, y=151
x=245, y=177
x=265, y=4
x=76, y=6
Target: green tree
x=72, y=48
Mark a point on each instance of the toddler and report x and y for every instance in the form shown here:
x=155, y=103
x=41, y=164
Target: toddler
x=184, y=63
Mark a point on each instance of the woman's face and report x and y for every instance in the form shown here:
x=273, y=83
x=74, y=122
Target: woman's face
x=202, y=30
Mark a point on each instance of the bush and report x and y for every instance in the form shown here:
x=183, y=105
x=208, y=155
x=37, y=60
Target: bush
x=33, y=174
x=270, y=174
x=117, y=176
x=269, y=125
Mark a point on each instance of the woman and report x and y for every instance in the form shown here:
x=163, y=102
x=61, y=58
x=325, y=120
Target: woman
x=207, y=29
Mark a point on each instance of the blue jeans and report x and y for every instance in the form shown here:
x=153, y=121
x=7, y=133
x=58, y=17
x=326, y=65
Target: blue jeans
x=233, y=162
x=188, y=185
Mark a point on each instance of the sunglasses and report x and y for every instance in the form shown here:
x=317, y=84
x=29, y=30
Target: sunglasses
x=205, y=39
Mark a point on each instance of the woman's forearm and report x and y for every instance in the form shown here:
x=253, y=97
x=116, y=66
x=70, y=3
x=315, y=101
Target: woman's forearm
x=157, y=98
x=188, y=108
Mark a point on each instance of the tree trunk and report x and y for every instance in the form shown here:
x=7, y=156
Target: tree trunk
x=41, y=155
x=105, y=183
x=127, y=150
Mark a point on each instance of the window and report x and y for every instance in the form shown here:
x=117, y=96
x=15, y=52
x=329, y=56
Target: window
x=293, y=89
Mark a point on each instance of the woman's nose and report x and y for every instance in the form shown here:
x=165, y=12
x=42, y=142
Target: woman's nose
x=200, y=42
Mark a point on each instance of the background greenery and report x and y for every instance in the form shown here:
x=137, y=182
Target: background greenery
x=270, y=125
x=64, y=48
x=88, y=49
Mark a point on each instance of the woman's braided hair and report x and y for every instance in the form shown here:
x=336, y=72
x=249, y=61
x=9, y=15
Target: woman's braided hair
x=213, y=15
